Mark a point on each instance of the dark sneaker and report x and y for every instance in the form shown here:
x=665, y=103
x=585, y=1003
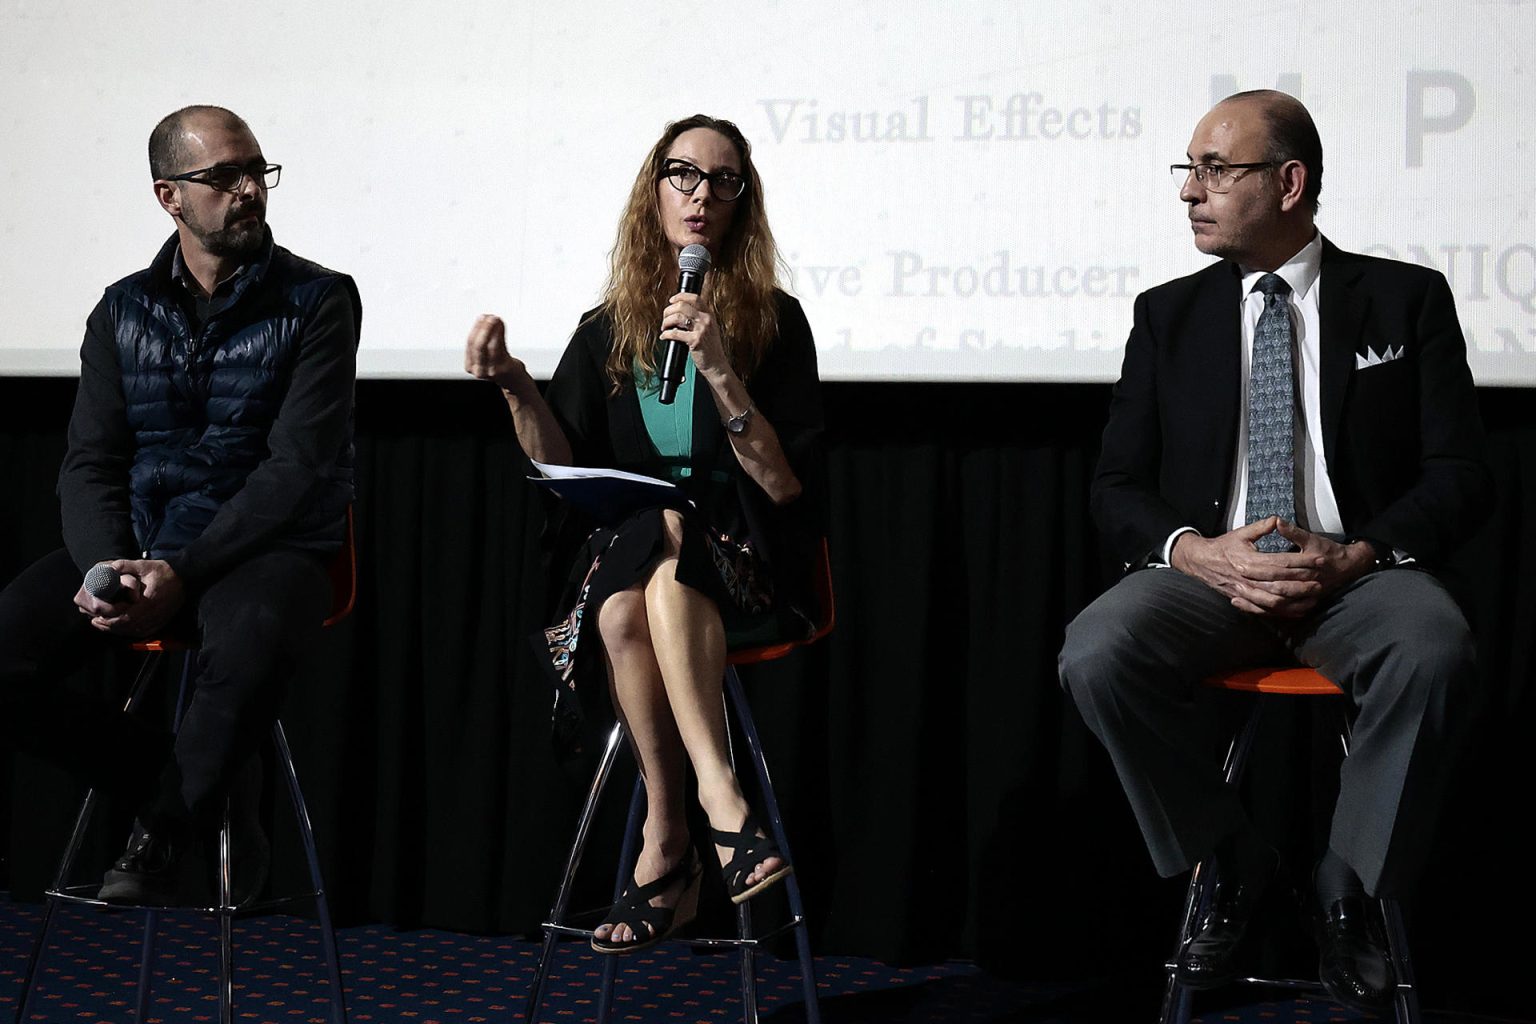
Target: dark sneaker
x=152, y=872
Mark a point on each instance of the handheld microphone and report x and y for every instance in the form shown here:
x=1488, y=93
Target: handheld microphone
x=692, y=262
x=104, y=584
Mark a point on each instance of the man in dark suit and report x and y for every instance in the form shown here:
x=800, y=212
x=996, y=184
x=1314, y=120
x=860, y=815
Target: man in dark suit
x=1293, y=441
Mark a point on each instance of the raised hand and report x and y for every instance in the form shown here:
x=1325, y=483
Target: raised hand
x=486, y=356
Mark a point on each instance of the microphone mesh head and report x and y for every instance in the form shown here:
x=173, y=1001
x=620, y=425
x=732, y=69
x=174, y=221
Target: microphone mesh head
x=694, y=259
x=102, y=581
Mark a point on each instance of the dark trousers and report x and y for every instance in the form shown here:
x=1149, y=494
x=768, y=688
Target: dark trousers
x=1396, y=643
x=252, y=625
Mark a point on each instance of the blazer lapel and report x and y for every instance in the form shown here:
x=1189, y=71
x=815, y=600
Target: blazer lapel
x=1341, y=314
x=1219, y=363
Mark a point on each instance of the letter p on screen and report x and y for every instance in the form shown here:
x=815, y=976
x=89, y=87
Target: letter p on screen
x=1417, y=124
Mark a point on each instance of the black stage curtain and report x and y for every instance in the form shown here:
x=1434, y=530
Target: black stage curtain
x=944, y=799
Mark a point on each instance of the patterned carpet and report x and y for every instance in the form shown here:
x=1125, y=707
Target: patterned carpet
x=90, y=973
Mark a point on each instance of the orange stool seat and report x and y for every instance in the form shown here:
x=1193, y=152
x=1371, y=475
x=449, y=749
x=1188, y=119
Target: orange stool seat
x=1296, y=682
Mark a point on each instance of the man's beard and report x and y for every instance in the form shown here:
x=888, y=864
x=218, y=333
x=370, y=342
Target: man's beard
x=227, y=241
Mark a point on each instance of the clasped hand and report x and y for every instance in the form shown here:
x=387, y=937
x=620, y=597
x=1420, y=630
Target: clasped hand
x=1284, y=585
x=154, y=596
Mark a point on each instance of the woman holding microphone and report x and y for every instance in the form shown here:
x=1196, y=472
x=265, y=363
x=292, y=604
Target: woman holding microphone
x=654, y=600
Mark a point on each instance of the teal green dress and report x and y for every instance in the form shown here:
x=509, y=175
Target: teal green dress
x=670, y=427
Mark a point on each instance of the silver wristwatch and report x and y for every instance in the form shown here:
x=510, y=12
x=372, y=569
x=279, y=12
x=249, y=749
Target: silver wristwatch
x=738, y=424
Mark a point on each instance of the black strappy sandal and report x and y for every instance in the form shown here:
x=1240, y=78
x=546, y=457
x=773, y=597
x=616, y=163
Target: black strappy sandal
x=750, y=850
x=652, y=924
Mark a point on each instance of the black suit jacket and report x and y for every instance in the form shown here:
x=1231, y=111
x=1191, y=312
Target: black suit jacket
x=1402, y=439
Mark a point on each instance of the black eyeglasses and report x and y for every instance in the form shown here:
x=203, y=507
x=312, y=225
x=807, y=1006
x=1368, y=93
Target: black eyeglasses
x=230, y=177
x=1216, y=178
x=726, y=186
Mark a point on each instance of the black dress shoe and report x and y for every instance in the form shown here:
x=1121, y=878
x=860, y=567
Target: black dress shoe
x=1352, y=957
x=1210, y=958
x=152, y=872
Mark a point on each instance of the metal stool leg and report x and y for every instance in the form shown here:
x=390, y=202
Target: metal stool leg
x=746, y=954
x=627, y=856
x=147, y=948
x=146, y=966
x=72, y=851
x=738, y=700
x=60, y=880
x=748, y=958
x=25, y=996
x=1406, y=999
x=226, y=925
x=573, y=861
x=312, y=856
x=1178, y=999
x=803, y=949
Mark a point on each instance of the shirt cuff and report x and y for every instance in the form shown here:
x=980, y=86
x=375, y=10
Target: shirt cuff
x=1167, y=559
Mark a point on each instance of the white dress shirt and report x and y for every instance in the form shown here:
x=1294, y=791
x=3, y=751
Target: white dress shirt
x=1317, y=510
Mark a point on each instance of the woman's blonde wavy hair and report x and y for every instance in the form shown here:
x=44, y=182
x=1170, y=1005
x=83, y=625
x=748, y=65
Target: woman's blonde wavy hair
x=642, y=269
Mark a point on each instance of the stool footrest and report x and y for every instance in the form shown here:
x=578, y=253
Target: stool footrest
x=711, y=943
x=756, y=940
x=273, y=903
x=76, y=894
x=84, y=896
x=1297, y=984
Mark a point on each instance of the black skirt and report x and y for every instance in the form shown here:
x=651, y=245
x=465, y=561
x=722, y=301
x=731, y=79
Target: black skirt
x=729, y=573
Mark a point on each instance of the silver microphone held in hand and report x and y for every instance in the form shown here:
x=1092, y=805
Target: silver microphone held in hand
x=692, y=262
x=105, y=584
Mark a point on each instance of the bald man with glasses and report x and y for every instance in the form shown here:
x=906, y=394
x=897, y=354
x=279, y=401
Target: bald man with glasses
x=1292, y=449
x=209, y=469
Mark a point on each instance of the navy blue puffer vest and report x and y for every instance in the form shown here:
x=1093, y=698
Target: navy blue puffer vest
x=201, y=406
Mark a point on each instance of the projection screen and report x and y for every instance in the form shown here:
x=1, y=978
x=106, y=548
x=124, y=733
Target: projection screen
x=960, y=191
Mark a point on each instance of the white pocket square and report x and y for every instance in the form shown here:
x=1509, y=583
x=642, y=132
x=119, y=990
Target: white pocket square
x=1373, y=358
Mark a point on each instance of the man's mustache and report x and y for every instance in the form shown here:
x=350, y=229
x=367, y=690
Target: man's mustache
x=256, y=207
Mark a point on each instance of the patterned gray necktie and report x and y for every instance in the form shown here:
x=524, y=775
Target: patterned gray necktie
x=1272, y=415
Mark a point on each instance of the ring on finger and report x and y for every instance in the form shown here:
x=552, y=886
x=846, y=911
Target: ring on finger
x=687, y=323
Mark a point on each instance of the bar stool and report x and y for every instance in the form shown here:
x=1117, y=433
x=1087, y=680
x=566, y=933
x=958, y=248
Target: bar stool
x=1296, y=682
x=343, y=575
x=745, y=942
